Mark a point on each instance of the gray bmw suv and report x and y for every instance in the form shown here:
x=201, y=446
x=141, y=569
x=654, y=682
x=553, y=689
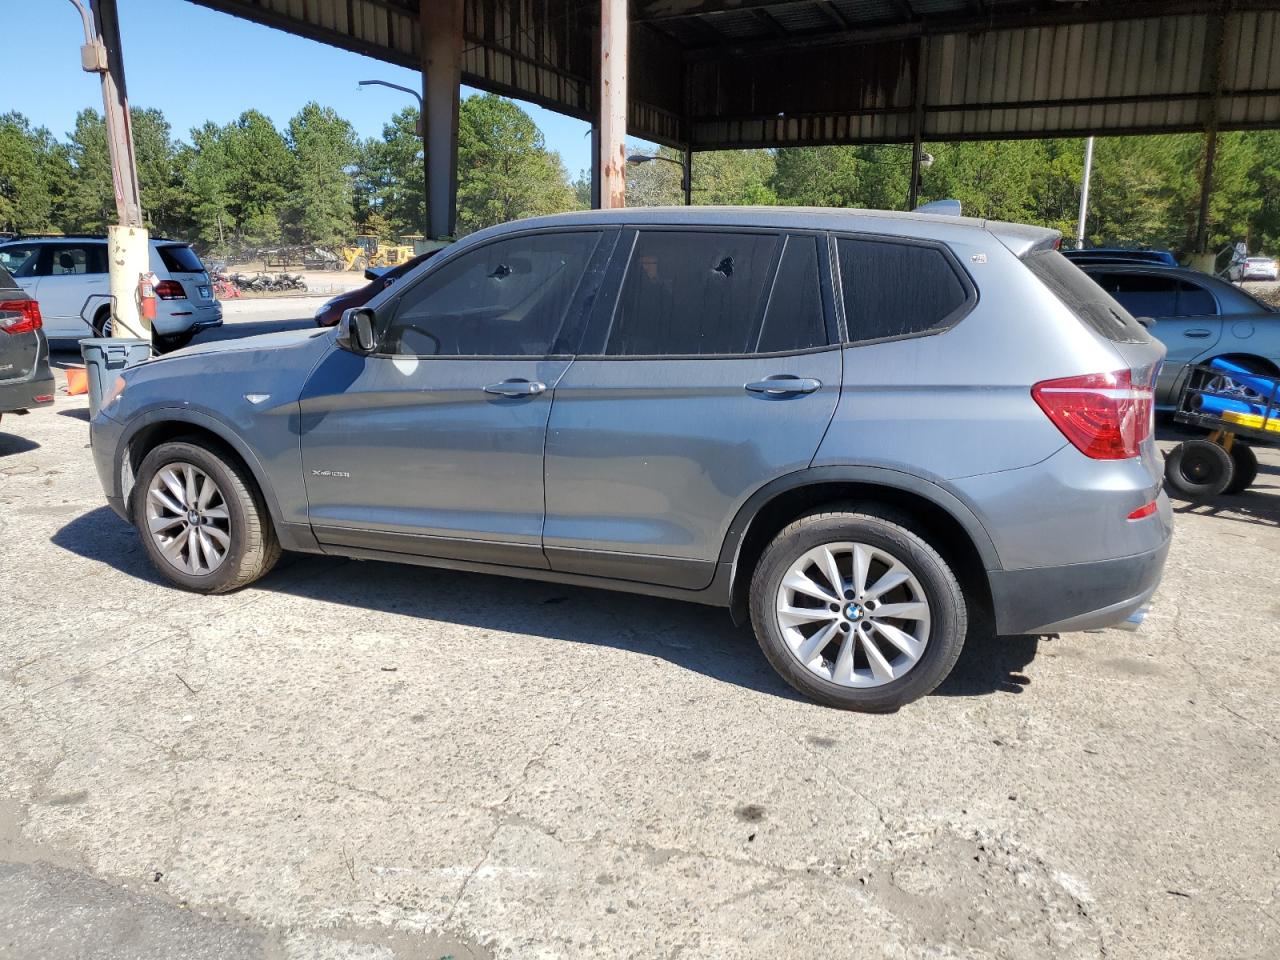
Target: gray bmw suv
x=861, y=431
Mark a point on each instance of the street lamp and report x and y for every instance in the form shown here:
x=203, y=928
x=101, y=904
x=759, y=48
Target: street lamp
x=420, y=130
x=686, y=170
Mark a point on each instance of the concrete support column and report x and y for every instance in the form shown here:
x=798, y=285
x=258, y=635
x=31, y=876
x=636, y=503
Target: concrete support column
x=612, y=111
x=441, y=22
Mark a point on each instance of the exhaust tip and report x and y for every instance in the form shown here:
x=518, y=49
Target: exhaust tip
x=1132, y=622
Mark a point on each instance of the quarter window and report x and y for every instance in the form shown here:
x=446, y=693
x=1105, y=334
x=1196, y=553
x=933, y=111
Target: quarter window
x=893, y=289
x=692, y=293
x=507, y=298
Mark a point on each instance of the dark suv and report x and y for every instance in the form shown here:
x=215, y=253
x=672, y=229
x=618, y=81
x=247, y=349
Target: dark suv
x=25, y=378
x=856, y=428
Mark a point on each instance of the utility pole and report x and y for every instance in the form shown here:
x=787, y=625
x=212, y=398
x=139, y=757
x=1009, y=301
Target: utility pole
x=1084, y=193
x=128, y=242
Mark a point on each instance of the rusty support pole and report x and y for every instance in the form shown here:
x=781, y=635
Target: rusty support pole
x=1211, y=77
x=686, y=175
x=441, y=22
x=612, y=109
x=128, y=241
x=917, y=120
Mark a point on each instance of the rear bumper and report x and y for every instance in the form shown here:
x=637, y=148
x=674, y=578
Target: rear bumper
x=1079, y=596
x=23, y=394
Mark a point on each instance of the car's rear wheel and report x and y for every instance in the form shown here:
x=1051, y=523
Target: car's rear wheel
x=102, y=323
x=175, y=342
x=1198, y=470
x=857, y=611
x=202, y=519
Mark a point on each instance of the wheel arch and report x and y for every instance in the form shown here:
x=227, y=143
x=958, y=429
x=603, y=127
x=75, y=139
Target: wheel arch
x=165, y=424
x=953, y=529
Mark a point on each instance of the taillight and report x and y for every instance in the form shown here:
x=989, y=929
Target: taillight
x=170, y=290
x=29, y=316
x=1104, y=415
x=1146, y=510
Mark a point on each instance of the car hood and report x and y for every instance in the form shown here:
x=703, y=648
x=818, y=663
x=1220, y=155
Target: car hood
x=264, y=341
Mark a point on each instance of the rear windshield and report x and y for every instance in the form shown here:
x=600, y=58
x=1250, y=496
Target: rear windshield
x=6, y=280
x=180, y=259
x=1084, y=298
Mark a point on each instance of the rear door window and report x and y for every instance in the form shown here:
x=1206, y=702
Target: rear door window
x=1087, y=296
x=795, y=318
x=1195, y=301
x=893, y=289
x=693, y=293
x=180, y=258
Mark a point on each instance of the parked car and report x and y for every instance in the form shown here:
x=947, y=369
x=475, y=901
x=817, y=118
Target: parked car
x=331, y=310
x=1104, y=255
x=862, y=431
x=25, y=378
x=68, y=275
x=1197, y=317
x=1255, y=268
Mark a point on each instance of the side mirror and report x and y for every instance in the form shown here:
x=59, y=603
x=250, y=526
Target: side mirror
x=355, y=331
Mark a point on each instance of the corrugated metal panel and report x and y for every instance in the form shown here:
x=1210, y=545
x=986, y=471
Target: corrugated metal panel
x=1113, y=76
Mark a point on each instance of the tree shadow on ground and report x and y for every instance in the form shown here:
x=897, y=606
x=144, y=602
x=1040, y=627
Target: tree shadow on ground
x=698, y=638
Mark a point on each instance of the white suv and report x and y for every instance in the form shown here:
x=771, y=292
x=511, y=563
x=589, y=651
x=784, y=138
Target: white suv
x=68, y=277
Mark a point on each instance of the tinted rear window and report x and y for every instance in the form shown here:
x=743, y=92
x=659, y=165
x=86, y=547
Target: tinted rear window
x=1084, y=298
x=895, y=289
x=180, y=259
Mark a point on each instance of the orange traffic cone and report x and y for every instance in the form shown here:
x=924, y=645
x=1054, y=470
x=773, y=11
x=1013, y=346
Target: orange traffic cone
x=77, y=381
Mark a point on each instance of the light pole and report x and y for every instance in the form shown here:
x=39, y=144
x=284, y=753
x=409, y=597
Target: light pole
x=419, y=129
x=1084, y=192
x=686, y=170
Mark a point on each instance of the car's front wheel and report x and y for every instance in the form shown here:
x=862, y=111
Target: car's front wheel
x=202, y=519
x=857, y=611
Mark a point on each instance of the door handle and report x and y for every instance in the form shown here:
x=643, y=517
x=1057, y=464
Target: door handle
x=516, y=388
x=1197, y=334
x=783, y=386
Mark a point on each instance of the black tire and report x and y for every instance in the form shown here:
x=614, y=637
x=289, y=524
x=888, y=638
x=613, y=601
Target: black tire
x=175, y=342
x=1198, y=470
x=883, y=529
x=1246, y=468
x=102, y=323
x=254, y=547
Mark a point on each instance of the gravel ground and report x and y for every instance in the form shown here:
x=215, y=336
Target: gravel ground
x=359, y=760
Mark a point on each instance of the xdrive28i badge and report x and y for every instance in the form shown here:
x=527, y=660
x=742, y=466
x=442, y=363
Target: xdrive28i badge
x=335, y=474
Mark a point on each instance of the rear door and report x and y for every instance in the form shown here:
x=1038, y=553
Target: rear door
x=74, y=276
x=706, y=373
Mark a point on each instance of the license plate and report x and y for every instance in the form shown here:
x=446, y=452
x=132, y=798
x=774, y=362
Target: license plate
x=203, y=291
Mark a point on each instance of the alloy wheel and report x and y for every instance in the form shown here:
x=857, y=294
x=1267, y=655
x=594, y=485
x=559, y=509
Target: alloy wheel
x=853, y=614
x=188, y=519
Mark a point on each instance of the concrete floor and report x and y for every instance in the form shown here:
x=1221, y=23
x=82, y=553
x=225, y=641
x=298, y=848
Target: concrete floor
x=359, y=760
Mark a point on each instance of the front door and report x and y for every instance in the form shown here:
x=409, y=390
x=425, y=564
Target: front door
x=434, y=445
x=712, y=375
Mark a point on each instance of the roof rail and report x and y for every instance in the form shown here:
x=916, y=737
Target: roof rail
x=945, y=208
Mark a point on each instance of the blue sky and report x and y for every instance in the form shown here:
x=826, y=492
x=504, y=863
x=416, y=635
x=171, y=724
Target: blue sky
x=196, y=64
